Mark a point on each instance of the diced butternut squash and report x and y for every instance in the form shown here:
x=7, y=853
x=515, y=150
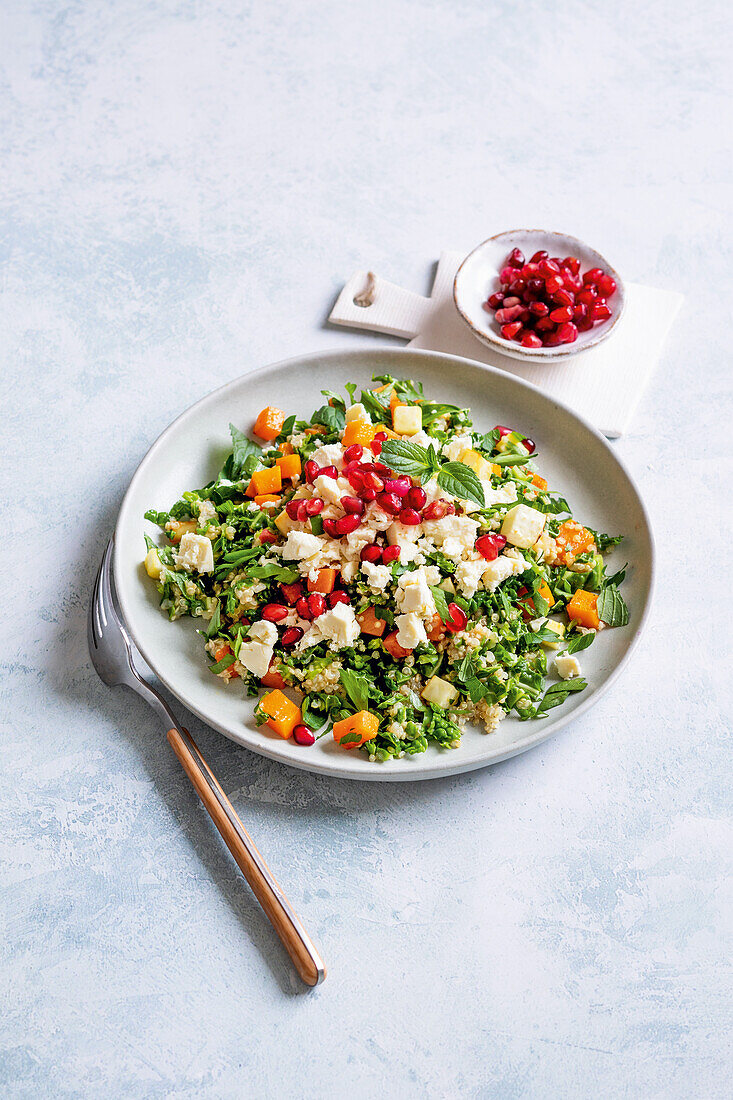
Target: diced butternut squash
x=574, y=539
x=544, y=592
x=437, y=629
x=477, y=463
x=269, y=423
x=394, y=402
x=177, y=528
x=265, y=481
x=496, y=469
x=266, y=498
x=538, y=482
x=407, y=419
x=358, y=431
x=221, y=651
x=370, y=624
x=394, y=648
x=272, y=680
x=351, y=732
x=582, y=608
x=324, y=582
x=289, y=465
x=292, y=592
x=282, y=715
x=285, y=448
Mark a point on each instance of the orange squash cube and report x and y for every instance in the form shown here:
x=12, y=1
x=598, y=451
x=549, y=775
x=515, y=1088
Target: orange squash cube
x=265, y=481
x=573, y=538
x=582, y=608
x=394, y=648
x=538, y=482
x=177, y=528
x=357, y=729
x=324, y=582
x=265, y=498
x=282, y=715
x=269, y=423
x=370, y=624
x=289, y=465
x=394, y=401
x=358, y=431
x=272, y=680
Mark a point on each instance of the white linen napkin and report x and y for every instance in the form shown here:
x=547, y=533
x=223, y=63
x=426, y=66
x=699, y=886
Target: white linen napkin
x=603, y=384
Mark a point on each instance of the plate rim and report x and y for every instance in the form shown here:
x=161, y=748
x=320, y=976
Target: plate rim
x=438, y=768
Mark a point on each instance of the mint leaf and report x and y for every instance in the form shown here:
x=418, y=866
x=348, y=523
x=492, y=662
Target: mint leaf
x=332, y=418
x=356, y=687
x=214, y=623
x=161, y=518
x=488, y=441
x=441, y=603
x=461, y=482
x=611, y=608
x=558, y=693
x=433, y=410
x=316, y=525
x=245, y=456
x=579, y=642
x=225, y=662
x=377, y=405
x=405, y=458
x=512, y=460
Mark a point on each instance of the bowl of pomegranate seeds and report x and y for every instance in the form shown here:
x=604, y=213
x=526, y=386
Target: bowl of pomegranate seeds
x=537, y=295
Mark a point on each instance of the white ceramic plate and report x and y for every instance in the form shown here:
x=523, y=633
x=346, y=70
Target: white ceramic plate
x=478, y=277
x=573, y=457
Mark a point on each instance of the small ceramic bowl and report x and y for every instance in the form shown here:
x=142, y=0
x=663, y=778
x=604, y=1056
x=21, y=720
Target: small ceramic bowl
x=478, y=277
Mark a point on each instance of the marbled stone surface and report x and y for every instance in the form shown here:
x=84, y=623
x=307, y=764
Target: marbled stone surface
x=185, y=186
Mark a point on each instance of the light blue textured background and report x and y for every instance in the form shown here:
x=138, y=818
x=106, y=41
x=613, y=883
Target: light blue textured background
x=185, y=186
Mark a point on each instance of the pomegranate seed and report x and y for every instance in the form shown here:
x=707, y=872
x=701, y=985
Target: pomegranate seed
x=316, y=604
x=515, y=258
x=552, y=340
x=389, y=503
x=436, y=510
x=591, y=277
x=564, y=313
x=303, y=736
x=292, y=508
x=587, y=295
x=539, y=256
x=313, y=507
x=518, y=286
x=519, y=335
x=606, y=286
x=599, y=311
x=540, y=309
x=553, y=284
x=292, y=592
x=390, y=554
x=572, y=263
x=458, y=618
x=416, y=498
x=371, y=481
x=382, y=470
x=548, y=268
x=507, y=275
x=509, y=302
x=347, y=524
x=450, y=508
x=531, y=340
x=529, y=270
x=338, y=597
x=545, y=325
x=537, y=286
x=568, y=333
x=503, y=430
x=368, y=494
x=328, y=471
x=506, y=316
x=352, y=506
x=303, y=608
x=292, y=635
x=311, y=470
x=372, y=553
x=267, y=536
x=274, y=612
x=529, y=444
x=376, y=447
x=495, y=300
x=409, y=517
x=580, y=311
x=564, y=298
x=489, y=546
x=510, y=331
x=399, y=486
x=353, y=453
x=329, y=526
x=585, y=325
x=381, y=436
x=356, y=480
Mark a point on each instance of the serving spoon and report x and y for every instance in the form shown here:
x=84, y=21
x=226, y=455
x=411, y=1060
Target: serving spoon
x=117, y=661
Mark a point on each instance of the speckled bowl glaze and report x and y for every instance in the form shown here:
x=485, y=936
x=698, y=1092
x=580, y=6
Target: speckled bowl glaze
x=575, y=459
x=478, y=277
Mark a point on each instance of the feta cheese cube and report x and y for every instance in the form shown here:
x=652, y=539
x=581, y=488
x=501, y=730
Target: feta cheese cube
x=456, y=447
x=414, y=595
x=522, y=526
x=195, y=552
x=153, y=564
x=358, y=412
x=332, y=454
x=256, y=657
x=339, y=625
x=400, y=533
x=506, y=565
x=299, y=545
x=264, y=632
x=567, y=666
x=410, y=630
x=468, y=575
x=327, y=489
x=407, y=419
x=439, y=692
x=378, y=576
x=349, y=569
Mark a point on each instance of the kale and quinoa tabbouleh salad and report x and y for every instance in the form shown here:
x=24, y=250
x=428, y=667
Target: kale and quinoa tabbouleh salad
x=401, y=570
